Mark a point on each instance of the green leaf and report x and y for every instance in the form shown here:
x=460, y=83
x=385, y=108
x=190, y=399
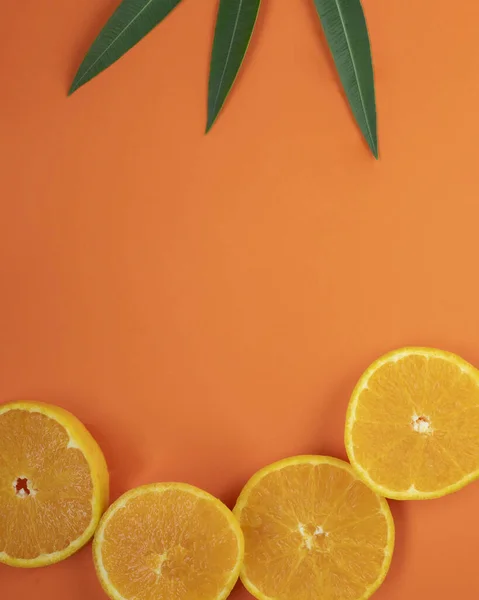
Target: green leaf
x=234, y=27
x=347, y=35
x=131, y=21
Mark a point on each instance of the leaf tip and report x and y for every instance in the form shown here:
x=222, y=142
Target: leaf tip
x=73, y=88
x=373, y=146
x=209, y=123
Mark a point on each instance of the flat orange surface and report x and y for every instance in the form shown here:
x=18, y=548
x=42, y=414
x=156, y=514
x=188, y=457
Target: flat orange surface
x=206, y=304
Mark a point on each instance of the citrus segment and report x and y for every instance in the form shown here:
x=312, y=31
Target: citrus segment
x=412, y=429
x=53, y=484
x=313, y=529
x=168, y=540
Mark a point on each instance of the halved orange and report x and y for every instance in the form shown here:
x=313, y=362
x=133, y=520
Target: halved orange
x=412, y=428
x=313, y=530
x=53, y=484
x=168, y=540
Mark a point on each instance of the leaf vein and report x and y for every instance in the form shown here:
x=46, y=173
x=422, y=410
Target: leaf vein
x=351, y=54
x=138, y=14
x=235, y=28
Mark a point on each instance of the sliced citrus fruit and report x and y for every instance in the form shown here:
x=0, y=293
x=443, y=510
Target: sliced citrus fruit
x=313, y=530
x=412, y=428
x=53, y=484
x=168, y=540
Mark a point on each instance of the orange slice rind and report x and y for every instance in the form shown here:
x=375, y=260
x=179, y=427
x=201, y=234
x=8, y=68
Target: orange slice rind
x=313, y=530
x=412, y=427
x=168, y=540
x=53, y=484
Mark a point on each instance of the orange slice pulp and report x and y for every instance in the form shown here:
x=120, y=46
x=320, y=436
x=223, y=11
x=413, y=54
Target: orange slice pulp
x=412, y=429
x=313, y=530
x=168, y=540
x=53, y=484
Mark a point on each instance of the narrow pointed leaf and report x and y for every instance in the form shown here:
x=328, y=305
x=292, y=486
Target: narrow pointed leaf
x=131, y=21
x=234, y=27
x=347, y=36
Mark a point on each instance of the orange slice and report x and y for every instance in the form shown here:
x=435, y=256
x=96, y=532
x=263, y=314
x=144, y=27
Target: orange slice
x=313, y=530
x=412, y=429
x=168, y=540
x=53, y=484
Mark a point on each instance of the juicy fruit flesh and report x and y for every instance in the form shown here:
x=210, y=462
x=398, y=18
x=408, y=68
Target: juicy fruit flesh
x=169, y=544
x=45, y=486
x=313, y=530
x=416, y=424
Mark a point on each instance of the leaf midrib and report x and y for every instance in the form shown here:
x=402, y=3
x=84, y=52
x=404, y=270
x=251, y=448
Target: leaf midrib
x=114, y=40
x=215, y=104
x=355, y=73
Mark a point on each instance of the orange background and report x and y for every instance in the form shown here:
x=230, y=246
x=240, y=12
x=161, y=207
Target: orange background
x=206, y=304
